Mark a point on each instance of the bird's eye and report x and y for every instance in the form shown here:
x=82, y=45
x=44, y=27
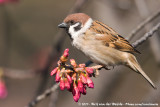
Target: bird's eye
x=72, y=22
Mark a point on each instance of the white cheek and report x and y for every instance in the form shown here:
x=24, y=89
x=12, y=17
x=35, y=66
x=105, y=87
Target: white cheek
x=72, y=31
x=74, y=34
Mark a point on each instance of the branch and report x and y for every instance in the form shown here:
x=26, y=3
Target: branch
x=18, y=74
x=146, y=35
x=155, y=41
x=141, y=25
x=43, y=96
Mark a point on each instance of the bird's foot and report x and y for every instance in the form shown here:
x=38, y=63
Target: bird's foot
x=99, y=67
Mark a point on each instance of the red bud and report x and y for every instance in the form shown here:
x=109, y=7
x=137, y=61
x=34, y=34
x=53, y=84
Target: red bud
x=83, y=78
x=89, y=70
x=82, y=65
x=66, y=54
x=62, y=84
x=73, y=62
x=54, y=71
x=57, y=78
x=80, y=86
x=84, y=90
x=69, y=79
x=90, y=83
x=76, y=93
x=67, y=84
x=3, y=90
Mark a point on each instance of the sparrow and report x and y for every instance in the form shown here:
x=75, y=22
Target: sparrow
x=101, y=43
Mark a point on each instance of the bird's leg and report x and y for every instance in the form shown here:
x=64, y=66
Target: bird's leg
x=97, y=68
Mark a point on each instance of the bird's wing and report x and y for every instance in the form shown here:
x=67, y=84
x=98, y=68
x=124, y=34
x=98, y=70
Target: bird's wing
x=110, y=38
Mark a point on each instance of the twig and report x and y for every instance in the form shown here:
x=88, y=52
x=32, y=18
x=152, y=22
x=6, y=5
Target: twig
x=43, y=96
x=18, y=74
x=155, y=41
x=141, y=25
x=146, y=36
x=53, y=99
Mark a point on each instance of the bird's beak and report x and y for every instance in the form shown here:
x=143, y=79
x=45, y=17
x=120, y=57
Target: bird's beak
x=62, y=25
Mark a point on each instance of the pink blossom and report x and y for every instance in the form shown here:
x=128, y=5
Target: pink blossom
x=84, y=90
x=62, y=84
x=75, y=78
x=90, y=83
x=80, y=86
x=79, y=69
x=54, y=71
x=66, y=54
x=57, y=76
x=3, y=90
x=76, y=93
x=82, y=65
x=67, y=84
x=73, y=62
x=69, y=79
x=89, y=70
x=83, y=78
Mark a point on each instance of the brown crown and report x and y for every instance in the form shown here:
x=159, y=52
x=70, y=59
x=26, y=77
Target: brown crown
x=77, y=17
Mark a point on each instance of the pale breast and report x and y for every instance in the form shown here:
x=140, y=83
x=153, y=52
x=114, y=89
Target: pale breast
x=98, y=52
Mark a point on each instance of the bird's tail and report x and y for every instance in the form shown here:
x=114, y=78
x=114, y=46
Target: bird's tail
x=133, y=64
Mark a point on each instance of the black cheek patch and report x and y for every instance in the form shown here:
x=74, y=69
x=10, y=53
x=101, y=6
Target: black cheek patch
x=77, y=28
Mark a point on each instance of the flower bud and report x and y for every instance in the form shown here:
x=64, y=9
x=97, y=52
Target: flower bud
x=66, y=54
x=57, y=78
x=79, y=69
x=80, y=86
x=69, y=79
x=67, y=84
x=3, y=90
x=54, y=71
x=89, y=70
x=73, y=62
x=62, y=84
x=82, y=65
x=84, y=90
x=76, y=93
x=83, y=78
x=90, y=83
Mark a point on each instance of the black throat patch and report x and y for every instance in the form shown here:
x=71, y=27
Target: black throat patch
x=77, y=28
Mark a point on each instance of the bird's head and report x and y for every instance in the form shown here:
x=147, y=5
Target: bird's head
x=76, y=24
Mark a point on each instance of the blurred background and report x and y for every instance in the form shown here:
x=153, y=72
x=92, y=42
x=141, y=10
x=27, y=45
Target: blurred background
x=31, y=43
